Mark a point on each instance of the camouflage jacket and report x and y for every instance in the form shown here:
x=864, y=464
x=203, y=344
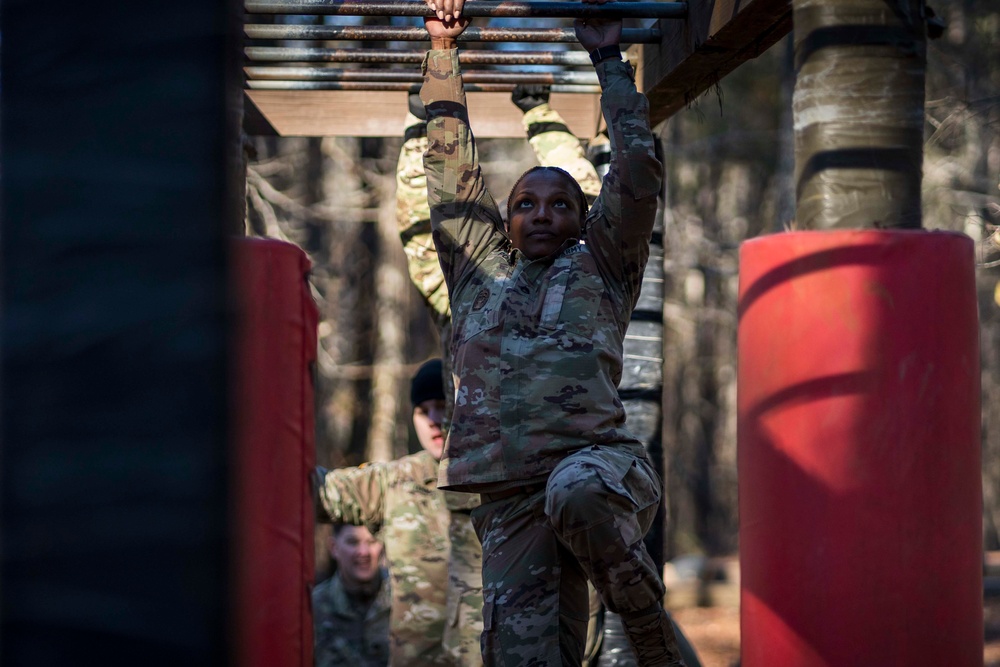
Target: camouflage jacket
x=553, y=144
x=536, y=345
x=346, y=636
x=401, y=497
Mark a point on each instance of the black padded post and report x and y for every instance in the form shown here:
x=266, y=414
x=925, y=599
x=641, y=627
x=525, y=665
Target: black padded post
x=119, y=170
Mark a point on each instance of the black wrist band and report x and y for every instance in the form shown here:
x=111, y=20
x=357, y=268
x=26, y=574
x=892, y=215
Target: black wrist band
x=602, y=52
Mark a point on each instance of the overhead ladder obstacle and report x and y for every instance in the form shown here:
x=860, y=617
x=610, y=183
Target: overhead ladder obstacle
x=299, y=84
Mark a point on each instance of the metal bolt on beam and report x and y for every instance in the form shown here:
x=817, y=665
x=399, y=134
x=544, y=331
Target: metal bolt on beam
x=419, y=34
x=371, y=56
x=481, y=8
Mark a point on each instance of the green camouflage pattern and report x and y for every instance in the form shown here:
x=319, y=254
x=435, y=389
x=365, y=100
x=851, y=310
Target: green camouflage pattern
x=558, y=147
x=541, y=546
x=552, y=147
x=414, y=220
x=465, y=591
x=345, y=635
x=400, y=500
x=464, y=595
x=464, y=599
x=536, y=345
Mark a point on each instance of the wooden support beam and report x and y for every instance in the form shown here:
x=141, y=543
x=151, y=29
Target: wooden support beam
x=332, y=113
x=692, y=56
x=695, y=54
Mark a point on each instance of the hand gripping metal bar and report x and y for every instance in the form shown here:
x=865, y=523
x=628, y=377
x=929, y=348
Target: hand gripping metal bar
x=636, y=9
x=373, y=56
x=411, y=76
x=415, y=34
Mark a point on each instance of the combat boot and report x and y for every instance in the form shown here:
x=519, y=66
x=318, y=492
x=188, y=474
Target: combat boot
x=651, y=635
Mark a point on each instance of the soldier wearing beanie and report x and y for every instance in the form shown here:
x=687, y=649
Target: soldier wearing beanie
x=401, y=497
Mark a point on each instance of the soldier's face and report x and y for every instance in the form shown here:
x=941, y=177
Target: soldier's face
x=357, y=553
x=427, y=419
x=544, y=213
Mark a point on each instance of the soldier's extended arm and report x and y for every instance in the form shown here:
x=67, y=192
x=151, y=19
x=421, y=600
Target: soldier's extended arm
x=465, y=221
x=621, y=220
x=352, y=495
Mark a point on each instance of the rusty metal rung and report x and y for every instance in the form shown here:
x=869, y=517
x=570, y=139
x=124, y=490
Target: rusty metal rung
x=403, y=86
x=256, y=73
x=419, y=34
x=372, y=56
x=480, y=8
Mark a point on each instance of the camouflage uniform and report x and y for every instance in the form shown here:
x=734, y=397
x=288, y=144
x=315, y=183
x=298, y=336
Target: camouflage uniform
x=402, y=497
x=538, y=427
x=465, y=583
x=345, y=635
x=554, y=145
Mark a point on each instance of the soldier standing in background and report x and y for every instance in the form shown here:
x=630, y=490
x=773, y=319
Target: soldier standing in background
x=351, y=608
x=402, y=497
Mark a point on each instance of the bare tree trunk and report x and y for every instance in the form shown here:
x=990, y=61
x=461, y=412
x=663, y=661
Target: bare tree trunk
x=960, y=192
x=347, y=329
x=385, y=442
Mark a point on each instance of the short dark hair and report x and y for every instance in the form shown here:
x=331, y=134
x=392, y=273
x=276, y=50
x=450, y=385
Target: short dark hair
x=339, y=527
x=582, y=198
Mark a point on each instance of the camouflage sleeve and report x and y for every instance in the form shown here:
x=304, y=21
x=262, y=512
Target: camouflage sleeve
x=464, y=218
x=621, y=221
x=556, y=146
x=354, y=495
x=413, y=218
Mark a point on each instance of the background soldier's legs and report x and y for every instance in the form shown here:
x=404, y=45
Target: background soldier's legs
x=465, y=593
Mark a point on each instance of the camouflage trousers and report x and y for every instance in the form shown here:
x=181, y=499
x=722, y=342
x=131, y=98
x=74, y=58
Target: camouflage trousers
x=464, y=623
x=543, y=543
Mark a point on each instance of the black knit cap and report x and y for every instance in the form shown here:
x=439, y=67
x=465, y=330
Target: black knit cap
x=428, y=383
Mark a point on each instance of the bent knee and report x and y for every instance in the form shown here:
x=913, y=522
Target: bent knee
x=575, y=500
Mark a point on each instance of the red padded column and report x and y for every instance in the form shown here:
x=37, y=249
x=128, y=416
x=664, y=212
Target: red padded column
x=859, y=454
x=274, y=454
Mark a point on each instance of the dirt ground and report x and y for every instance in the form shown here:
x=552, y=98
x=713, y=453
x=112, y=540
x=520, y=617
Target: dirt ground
x=715, y=633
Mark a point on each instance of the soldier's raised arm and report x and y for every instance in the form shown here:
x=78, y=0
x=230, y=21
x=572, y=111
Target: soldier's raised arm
x=465, y=221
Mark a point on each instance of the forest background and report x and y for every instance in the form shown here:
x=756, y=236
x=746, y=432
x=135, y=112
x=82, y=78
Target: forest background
x=728, y=169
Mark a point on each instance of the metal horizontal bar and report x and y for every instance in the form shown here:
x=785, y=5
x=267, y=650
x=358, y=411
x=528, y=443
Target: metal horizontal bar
x=384, y=33
x=635, y=9
x=413, y=76
x=466, y=57
x=400, y=85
